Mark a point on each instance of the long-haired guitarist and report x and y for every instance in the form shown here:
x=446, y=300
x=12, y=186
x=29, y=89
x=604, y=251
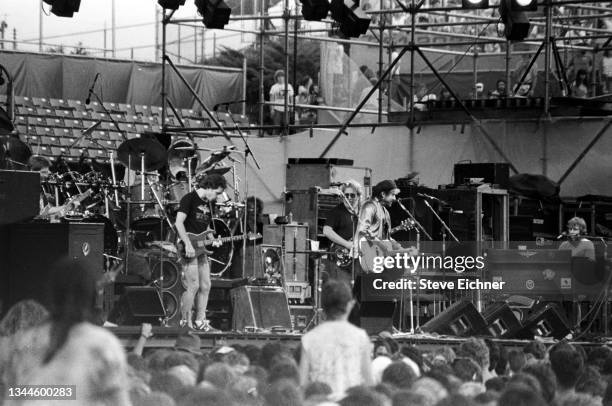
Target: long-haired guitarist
x=340, y=228
x=195, y=216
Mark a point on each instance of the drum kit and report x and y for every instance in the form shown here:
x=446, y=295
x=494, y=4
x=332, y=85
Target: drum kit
x=138, y=214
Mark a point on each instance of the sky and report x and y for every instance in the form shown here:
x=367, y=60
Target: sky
x=95, y=15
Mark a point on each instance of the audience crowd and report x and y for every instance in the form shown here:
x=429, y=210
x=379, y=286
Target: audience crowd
x=336, y=363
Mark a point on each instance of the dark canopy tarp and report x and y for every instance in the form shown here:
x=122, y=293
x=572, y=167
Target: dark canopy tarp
x=69, y=77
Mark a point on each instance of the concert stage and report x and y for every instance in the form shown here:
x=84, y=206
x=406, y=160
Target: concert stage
x=165, y=337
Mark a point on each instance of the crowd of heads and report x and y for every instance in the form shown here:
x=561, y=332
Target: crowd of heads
x=473, y=372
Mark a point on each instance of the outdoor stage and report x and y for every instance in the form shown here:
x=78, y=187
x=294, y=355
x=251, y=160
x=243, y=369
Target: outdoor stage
x=165, y=337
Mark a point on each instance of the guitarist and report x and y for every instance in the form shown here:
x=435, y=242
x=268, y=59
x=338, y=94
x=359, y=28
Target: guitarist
x=341, y=225
x=195, y=216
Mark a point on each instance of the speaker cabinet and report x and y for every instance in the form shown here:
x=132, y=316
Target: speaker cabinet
x=293, y=237
x=375, y=317
x=19, y=196
x=301, y=316
x=494, y=173
x=460, y=319
x=548, y=321
x=501, y=320
x=139, y=304
x=34, y=247
x=260, y=307
x=166, y=274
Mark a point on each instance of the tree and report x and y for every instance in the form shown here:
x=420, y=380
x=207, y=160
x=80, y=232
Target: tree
x=308, y=63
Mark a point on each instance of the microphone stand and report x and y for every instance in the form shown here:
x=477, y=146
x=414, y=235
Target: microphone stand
x=247, y=152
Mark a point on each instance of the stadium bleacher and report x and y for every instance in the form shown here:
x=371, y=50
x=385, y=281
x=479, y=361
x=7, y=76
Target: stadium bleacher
x=51, y=126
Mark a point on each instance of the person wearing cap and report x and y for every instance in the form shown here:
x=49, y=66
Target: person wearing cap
x=190, y=343
x=277, y=96
x=374, y=219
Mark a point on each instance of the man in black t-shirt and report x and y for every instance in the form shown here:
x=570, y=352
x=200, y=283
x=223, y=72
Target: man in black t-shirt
x=195, y=216
x=341, y=225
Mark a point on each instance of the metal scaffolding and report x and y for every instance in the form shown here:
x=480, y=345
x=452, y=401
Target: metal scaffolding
x=581, y=13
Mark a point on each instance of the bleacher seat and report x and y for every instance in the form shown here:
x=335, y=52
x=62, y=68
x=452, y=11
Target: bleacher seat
x=59, y=103
x=94, y=106
x=127, y=127
x=44, y=130
x=126, y=109
x=99, y=116
x=73, y=123
x=142, y=109
x=62, y=132
x=57, y=151
x=47, y=140
x=20, y=119
x=54, y=122
x=76, y=105
x=131, y=136
x=23, y=101
x=41, y=102
x=37, y=121
x=141, y=128
x=44, y=150
x=64, y=113
x=112, y=107
x=118, y=116
x=25, y=110
x=82, y=114
x=115, y=136
x=100, y=135
x=31, y=129
x=157, y=110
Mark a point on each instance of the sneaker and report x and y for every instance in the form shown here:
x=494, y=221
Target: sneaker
x=185, y=323
x=204, y=325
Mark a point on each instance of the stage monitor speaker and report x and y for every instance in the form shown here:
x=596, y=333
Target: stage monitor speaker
x=548, y=321
x=260, y=307
x=166, y=274
x=375, y=317
x=460, y=319
x=301, y=316
x=501, y=320
x=139, y=304
x=19, y=196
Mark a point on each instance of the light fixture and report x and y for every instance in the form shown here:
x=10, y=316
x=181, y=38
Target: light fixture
x=314, y=10
x=516, y=23
x=64, y=8
x=215, y=13
x=472, y=4
x=352, y=19
x=524, y=5
x=171, y=4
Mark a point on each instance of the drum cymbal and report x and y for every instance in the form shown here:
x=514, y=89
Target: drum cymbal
x=181, y=154
x=215, y=157
x=219, y=170
x=154, y=154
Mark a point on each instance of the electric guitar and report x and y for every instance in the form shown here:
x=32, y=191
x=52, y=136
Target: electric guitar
x=65, y=208
x=342, y=255
x=371, y=248
x=202, y=241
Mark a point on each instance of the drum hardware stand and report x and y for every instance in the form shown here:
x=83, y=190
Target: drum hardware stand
x=247, y=152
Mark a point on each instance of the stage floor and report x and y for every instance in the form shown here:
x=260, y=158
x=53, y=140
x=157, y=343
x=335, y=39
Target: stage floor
x=164, y=337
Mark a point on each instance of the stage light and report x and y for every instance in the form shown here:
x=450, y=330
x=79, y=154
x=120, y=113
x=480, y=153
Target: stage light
x=314, y=10
x=475, y=3
x=524, y=5
x=516, y=22
x=352, y=19
x=171, y=4
x=215, y=12
x=64, y=8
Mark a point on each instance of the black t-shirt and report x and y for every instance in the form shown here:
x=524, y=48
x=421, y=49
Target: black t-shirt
x=198, y=213
x=342, y=222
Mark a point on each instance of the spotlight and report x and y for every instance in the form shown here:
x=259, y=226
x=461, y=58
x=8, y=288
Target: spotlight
x=516, y=22
x=171, y=4
x=64, y=8
x=524, y=5
x=474, y=3
x=314, y=10
x=215, y=12
x=352, y=19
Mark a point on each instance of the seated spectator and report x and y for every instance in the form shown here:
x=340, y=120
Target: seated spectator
x=580, y=86
x=500, y=91
x=336, y=352
x=68, y=349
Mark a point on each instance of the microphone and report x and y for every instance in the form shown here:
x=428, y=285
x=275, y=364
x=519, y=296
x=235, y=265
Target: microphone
x=91, y=89
x=562, y=235
x=425, y=196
